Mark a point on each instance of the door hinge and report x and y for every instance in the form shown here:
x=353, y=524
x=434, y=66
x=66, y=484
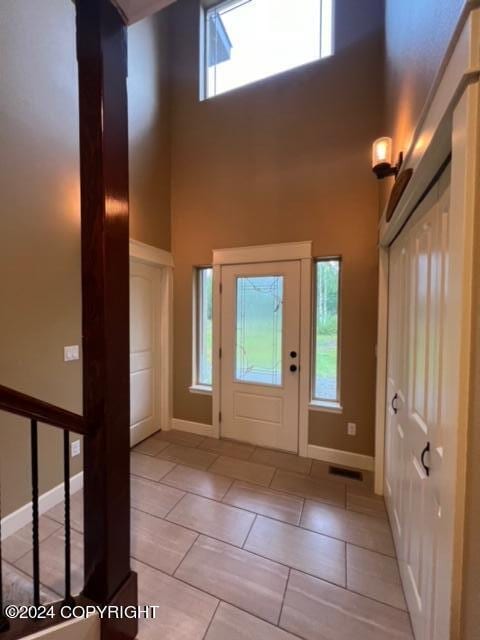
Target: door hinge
x=219, y=416
x=220, y=352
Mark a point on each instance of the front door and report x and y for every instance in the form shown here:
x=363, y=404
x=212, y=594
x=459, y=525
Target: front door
x=260, y=338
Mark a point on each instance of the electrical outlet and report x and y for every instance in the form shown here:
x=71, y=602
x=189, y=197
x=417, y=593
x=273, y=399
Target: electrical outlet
x=352, y=429
x=71, y=353
x=75, y=448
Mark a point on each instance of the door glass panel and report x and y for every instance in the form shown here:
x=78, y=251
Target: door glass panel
x=259, y=329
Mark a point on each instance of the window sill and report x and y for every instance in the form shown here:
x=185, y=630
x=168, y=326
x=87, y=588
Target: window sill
x=201, y=389
x=324, y=405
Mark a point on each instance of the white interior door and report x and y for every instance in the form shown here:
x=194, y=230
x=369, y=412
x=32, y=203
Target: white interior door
x=260, y=337
x=145, y=301
x=415, y=482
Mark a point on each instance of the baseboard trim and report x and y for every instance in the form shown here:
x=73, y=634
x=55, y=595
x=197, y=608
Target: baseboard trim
x=23, y=516
x=193, y=427
x=344, y=458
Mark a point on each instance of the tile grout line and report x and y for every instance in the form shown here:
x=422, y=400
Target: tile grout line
x=249, y=532
x=186, y=554
x=301, y=513
x=212, y=619
x=284, y=596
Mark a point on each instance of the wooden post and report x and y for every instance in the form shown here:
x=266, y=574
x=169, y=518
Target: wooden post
x=102, y=62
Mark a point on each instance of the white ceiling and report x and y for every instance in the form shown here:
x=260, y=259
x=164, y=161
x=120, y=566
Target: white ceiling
x=135, y=10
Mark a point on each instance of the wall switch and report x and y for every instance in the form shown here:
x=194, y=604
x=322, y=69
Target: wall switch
x=75, y=448
x=352, y=429
x=71, y=353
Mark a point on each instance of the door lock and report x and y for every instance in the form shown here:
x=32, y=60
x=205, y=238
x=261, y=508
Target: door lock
x=293, y=368
x=293, y=354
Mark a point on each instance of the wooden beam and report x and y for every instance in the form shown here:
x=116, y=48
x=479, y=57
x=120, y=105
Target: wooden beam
x=102, y=62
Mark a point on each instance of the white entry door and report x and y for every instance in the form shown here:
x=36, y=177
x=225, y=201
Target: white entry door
x=260, y=336
x=416, y=479
x=145, y=300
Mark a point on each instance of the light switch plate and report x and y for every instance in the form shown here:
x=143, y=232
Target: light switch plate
x=352, y=429
x=71, y=353
x=75, y=448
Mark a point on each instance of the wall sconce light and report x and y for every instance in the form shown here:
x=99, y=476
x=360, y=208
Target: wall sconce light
x=382, y=159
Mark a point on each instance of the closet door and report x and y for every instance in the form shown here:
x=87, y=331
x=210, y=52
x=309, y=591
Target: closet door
x=397, y=385
x=414, y=455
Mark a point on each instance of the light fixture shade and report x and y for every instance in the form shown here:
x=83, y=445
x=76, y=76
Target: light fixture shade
x=382, y=152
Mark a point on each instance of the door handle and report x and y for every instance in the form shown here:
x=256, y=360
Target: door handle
x=422, y=458
x=293, y=368
x=293, y=354
x=394, y=404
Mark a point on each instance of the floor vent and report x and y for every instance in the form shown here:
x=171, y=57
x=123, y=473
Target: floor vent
x=346, y=473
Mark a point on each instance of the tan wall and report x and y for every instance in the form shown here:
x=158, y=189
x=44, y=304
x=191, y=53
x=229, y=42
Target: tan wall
x=149, y=131
x=40, y=305
x=40, y=308
x=285, y=159
x=417, y=37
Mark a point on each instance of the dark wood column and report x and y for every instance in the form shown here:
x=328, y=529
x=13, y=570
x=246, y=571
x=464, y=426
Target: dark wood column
x=102, y=62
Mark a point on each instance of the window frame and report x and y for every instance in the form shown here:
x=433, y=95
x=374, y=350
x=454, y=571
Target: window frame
x=208, y=5
x=322, y=404
x=198, y=298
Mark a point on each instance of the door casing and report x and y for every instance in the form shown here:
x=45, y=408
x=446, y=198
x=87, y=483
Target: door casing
x=301, y=251
x=163, y=261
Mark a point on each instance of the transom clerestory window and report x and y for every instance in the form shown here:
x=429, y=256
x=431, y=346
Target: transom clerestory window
x=248, y=40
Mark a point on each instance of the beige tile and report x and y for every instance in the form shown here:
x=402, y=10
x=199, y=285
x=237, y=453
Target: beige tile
x=375, y=576
x=182, y=438
x=158, y=543
x=282, y=460
x=243, y=470
x=188, y=456
x=357, y=528
x=228, y=448
x=148, y=467
x=236, y=576
x=76, y=512
x=308, y=487
x=230, y=623
x=300, y=549
x=320, y=469
x=18, y=588
x=20, y=543
x=152, y=446
x=152, y=497
x=212, y=518
x=265, y=501
x=184, y=613
x=316, y=610
x=204, y=483
x=365, y=501
x=52, y=562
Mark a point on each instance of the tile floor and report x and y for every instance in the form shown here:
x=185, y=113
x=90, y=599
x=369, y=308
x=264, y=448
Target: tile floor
x=235, y=542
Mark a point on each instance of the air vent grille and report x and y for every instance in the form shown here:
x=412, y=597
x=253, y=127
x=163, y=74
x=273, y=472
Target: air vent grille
x=346, y=473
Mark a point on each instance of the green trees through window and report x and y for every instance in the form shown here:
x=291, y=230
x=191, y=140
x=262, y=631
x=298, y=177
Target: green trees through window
x=327, y=279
